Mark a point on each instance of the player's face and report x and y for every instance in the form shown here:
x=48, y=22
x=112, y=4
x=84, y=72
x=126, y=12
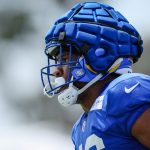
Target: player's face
x=67, y=66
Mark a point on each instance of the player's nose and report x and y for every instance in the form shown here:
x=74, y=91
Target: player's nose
x=58, y=72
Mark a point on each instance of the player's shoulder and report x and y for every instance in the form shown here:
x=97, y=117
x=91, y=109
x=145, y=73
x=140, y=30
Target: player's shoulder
x=128, y=79
x=124, y=93
x=129, y=85
x=127, y=92
x=135, y=76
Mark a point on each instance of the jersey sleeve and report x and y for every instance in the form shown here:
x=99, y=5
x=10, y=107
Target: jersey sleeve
x=128, y=99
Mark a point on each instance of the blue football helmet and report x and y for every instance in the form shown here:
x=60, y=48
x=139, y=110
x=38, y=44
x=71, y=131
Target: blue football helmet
x=103, y=41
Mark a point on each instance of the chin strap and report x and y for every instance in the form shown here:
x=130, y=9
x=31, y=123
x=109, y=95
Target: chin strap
x=94, y=80
x=69, y=96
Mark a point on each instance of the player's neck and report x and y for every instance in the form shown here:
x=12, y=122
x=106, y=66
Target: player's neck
x=89, y=96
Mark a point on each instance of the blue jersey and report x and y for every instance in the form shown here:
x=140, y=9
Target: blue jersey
x=109, y=122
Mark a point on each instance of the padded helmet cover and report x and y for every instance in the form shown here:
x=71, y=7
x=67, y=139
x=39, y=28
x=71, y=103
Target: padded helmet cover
x=101, y=33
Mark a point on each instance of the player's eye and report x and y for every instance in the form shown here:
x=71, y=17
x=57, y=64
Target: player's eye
x=65, y=59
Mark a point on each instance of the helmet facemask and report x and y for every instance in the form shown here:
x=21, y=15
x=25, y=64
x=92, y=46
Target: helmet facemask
x=66, y=58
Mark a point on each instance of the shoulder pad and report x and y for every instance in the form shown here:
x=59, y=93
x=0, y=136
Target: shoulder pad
x=127, y=92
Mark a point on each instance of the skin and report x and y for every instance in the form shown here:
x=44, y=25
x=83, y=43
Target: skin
x=86, y=99
x=140, y=129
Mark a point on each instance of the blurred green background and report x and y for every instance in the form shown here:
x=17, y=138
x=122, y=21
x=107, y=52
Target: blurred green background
x=29, y=120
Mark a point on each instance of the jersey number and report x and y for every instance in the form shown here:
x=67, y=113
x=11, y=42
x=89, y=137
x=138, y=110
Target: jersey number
x=93, y=140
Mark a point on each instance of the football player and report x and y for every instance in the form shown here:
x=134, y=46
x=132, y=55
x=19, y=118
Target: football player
x=90, y=53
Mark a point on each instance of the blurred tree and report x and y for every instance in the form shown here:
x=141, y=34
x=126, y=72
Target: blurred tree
x=14, y=23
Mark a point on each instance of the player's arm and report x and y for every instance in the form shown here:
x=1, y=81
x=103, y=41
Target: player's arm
x=141, y=129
